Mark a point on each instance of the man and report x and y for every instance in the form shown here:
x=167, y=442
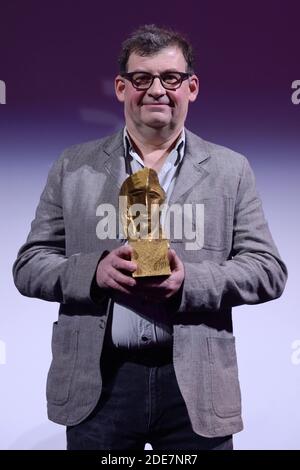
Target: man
x=149, y=359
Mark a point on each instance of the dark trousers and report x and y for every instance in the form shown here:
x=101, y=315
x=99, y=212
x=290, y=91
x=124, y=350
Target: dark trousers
x=140, y=403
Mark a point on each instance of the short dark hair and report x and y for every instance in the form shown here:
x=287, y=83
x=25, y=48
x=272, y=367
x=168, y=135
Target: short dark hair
x=150, y=39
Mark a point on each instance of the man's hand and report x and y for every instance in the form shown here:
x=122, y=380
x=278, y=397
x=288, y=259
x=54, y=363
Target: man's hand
x=162, y=288
x=114, y=271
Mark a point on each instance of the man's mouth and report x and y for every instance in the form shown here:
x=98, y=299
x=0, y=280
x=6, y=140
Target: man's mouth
x=171, y=105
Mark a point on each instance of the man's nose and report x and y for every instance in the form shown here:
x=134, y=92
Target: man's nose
x=156, y=88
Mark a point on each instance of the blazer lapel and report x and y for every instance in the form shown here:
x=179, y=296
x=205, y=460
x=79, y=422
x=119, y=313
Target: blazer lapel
x=191, y=171
x=114, y=164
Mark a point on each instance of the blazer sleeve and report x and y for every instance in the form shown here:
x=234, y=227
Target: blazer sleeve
x=254, y=273
x=42, y=268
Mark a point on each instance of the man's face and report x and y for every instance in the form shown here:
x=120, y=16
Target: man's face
x=156, y=107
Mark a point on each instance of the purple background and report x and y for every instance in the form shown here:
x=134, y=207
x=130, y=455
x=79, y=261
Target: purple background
x=58, y=60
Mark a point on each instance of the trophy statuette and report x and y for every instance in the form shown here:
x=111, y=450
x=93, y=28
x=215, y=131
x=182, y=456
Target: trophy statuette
x=142, y=194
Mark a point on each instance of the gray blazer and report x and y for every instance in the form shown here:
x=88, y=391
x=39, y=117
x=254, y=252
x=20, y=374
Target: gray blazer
x=238, y=264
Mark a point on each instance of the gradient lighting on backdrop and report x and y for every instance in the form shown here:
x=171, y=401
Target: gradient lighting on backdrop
x=58, y=61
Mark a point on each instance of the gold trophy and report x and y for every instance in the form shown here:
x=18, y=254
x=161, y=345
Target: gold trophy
x=142, y=197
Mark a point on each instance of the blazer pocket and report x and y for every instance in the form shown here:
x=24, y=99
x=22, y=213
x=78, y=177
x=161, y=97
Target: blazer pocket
x=225, y=387
x=206, y=224
x=64, y=353
x=217, y=216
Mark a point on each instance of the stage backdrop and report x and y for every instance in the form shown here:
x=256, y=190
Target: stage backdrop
x=58, y=60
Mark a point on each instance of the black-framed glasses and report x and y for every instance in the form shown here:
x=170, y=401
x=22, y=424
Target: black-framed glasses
x=143, y=80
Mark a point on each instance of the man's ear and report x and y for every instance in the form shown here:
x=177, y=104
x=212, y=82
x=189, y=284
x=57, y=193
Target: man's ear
x=120, y=88
x=194, y=87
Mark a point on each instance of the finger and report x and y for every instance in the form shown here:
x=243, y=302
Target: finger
x=125, y=251
x=115, y=286
x=174, y=260
x=171, y=255
x=123, y=279
x=122, y=264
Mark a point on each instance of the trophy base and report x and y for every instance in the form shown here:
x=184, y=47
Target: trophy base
x=151, y=257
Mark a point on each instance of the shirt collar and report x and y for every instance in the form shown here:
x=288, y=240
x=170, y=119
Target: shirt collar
x=174, y=157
